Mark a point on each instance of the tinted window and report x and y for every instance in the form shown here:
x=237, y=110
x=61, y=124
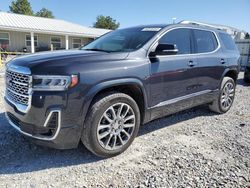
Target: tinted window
x=227, y=41
x=123, y=40
x=181, y=38
x=205, y=41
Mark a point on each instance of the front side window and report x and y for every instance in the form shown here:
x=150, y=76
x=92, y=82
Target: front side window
x=28, y=40
x=181, y=38
x=4, y=40
x=123, y=40
x=77, y=43
x=56, y=42
x=205, y=41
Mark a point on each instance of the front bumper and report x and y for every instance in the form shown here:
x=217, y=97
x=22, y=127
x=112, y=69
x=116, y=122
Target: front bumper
x=52, y=129
x=19, y=126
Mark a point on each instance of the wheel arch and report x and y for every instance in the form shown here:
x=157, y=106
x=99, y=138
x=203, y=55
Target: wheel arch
x=130, y=86
x=232, y=73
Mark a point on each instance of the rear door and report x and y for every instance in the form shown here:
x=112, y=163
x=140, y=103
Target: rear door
x=210, y=58
x=230, y=50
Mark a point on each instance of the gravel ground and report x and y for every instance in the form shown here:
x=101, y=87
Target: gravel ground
x=194, y=148
x=2, y=69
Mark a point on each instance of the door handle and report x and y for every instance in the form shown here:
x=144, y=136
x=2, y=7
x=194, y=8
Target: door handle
x=222, y=61
x=192, y=63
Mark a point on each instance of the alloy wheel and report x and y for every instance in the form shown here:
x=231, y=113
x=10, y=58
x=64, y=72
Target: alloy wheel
x=227, y=96
x=116, y=126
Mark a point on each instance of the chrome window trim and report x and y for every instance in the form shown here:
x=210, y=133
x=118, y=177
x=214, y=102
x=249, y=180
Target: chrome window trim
x=45, y=138
x=181, y=55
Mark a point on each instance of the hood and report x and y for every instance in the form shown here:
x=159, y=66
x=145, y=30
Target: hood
x=63, y=59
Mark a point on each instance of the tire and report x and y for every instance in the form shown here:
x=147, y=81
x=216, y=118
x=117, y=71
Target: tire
x=106, y=118
x=227, y=92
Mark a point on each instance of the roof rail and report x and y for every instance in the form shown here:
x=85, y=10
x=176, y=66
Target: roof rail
x=199, y=24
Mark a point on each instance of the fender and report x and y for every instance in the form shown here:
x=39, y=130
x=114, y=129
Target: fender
x=235, y=69
x=111, y=83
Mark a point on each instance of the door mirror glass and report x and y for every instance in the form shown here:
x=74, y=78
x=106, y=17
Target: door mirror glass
x=165, y=49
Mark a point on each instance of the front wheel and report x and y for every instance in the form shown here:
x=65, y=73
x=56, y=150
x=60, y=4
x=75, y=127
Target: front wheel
x=226, y=96
x=112, y=124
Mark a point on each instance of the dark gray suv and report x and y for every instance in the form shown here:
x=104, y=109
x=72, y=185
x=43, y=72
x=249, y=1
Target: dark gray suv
x=101, y=93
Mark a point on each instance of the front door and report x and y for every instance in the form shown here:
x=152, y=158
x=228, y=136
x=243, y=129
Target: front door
x=173, y=77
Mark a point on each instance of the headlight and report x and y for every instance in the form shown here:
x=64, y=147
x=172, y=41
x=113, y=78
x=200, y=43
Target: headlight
x=53, y=83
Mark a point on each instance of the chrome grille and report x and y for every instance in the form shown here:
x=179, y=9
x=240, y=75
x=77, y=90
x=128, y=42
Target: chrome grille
x=18, y=77
x=17, y=87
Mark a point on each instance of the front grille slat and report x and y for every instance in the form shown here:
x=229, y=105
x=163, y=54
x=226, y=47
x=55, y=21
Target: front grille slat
x=17, y=98
x=17, y=87
x=17, y=92
x=20, y=83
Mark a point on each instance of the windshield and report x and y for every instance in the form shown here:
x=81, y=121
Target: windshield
x=123, y=40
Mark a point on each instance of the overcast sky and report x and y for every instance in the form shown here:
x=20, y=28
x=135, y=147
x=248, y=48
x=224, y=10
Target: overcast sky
x=234, y=13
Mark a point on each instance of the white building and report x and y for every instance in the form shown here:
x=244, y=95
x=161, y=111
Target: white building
x=19, y=32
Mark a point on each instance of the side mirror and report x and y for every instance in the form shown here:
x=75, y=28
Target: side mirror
x=165, y=49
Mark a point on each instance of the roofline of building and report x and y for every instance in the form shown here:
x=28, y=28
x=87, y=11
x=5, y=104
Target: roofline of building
x=28, y=30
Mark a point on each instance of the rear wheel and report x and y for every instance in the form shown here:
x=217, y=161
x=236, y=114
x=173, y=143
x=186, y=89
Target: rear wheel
x=226, y=96
x=111, y=125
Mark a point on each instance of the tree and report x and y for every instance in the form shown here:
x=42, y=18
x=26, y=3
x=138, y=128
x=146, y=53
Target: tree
x=21, y=7
x=106, y=22
x=247, y=36
x=45, y=13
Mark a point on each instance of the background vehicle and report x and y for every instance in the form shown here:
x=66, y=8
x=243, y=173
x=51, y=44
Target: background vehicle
x=103, y=92
x=247, y=73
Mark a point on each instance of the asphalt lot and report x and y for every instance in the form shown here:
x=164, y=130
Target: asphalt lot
x=194, y=148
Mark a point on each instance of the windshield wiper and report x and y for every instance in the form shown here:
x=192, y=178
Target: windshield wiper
x=96, y=49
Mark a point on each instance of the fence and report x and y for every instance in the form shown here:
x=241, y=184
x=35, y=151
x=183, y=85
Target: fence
x=7, y=56
x=244, y=48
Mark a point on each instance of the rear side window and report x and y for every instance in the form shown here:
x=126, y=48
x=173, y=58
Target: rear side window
x=181, y=38
x=227, y=41
x=205, y=41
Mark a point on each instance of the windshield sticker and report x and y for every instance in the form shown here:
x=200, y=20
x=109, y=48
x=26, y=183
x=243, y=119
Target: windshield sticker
x=151, y=29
